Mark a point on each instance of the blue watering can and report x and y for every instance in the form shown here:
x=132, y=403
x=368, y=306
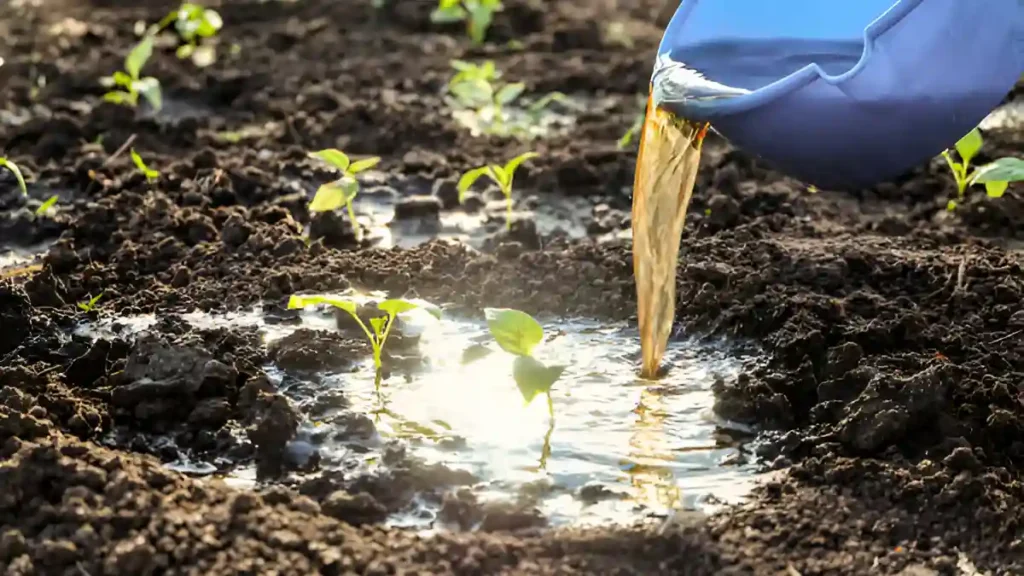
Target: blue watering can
x=839, y=93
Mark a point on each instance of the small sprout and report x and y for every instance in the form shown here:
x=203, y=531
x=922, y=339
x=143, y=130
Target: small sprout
x=501, y=175
x=45, y=206
x=10, y=165
x=477, y=14
x=91, y=304
x=343, y=191
x=518, y=333
x=996, y=176
x=150, y=174
x=480, y=99
x=193, y=23
x=380, y=328
x=130, y=82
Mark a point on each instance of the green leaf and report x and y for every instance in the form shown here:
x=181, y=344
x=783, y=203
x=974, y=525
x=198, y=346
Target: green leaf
x=378, y=324
x=149, y=87
x=500, y=176
x=462, y=65
x=334, y=157
x=1002, y=170
x=150, y=174
x=515, y=331
x=303, y=300
x=509, y=92
x=210, y=24
x=45, y=206
x=361, y=165
x=479, y=21
x=512, y=165
x=396, y=306
x=469, y=178
x=548, y=99
x=184, y=51
x=428, y=307
x=5, y=163
x=533, y=377
x=996, y=189
x=951, y=206
x=138, y=57
x=474, y=353
x=118, y=97
x=474, y=92
x=969, y=145
x=334, y=195
x=122, y=79
x=447, y=15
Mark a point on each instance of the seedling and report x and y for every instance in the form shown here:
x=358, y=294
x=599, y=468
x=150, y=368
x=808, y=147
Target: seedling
x=477, y=14
x=343, y=191
x=194, y=23
x=10, y=165
x=129, y=80
x=517, y=333
x=150, y=174
x=480, y=99
x=88, y=306
x=45, y=206
x=996, y=176
x=501, y=175
x=380, y=328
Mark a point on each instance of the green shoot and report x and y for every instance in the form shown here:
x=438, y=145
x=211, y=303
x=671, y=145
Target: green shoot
x=129, y=81
x=996, y=176
x=150, y=174
x=91, y=304
x=477, y=14
x=343, y=191
x=380, y=328
x=517, y=333
x=10, y=165
x=480, y=100
x=194, y=23
x=500, y=175
x=45, y=206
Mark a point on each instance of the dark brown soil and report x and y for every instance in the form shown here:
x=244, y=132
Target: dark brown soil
x=892, y=401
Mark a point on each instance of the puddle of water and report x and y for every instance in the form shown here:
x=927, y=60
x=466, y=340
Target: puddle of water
x=655, y=444
x=18, y=257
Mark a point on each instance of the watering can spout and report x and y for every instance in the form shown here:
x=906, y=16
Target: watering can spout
x=840, y=94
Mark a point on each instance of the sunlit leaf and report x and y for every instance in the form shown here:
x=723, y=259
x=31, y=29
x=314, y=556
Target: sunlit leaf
x=396, y=306
x=512, y=165
x=334, y=195
x=533, y=377
x=118, y=97
x=150, y=89
x=122, y=79
x=146, y=171
x=469, y=178
x=304, y=300
x=364, y=164
x=334, y=157
x=996, y=189
x=378, y=325
x=138, y=57
x=969, y=145
x=509, y=92
x=499, y=175
x=209, y=24
x=515, y=331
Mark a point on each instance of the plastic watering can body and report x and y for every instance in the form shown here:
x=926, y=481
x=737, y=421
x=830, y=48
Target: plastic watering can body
x=843, y=93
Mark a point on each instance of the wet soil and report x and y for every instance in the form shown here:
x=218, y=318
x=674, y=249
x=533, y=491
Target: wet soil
x=892, y=401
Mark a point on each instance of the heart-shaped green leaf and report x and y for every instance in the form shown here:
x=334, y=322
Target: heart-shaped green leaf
x=515, y=331
x=533, y=377
x=334, y=157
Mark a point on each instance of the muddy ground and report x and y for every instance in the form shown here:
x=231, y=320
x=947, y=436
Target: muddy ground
x=893, y=398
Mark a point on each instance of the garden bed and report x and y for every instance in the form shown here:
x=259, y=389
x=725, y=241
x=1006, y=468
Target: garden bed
x=189, y=422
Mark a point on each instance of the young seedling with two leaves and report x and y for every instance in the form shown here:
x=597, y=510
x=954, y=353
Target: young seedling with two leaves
x=500, y=175
x=380, y=328
x=91, y=304
x=193, y=24
x=480, y=100
x=996, y=176
x=343, y=191
x=477, y=14
x=518, y=333
x=131, y=84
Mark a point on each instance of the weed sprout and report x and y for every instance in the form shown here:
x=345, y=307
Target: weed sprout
x=343, y=191
x=501, y=175
x=996, y=176
x=45, y=206
x=91, y=304
x=149, y=173
x=129, y=81
x=193, y=23
x=380, y=328
x=10, y=165
x=477, y=14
